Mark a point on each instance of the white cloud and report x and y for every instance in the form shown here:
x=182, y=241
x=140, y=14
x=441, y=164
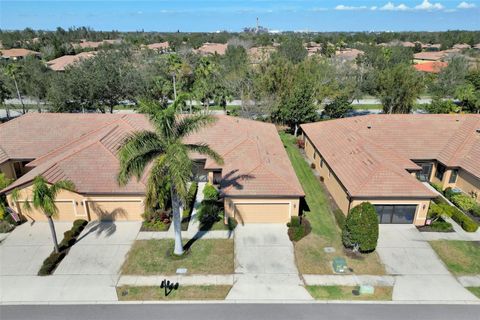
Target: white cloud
x=392, y=7
x=342, y=7
x=466, y=5
x=427, y=5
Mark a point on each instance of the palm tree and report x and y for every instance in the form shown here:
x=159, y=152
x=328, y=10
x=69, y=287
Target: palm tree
x=12, y=71
x=44, y=195
x=164, y=149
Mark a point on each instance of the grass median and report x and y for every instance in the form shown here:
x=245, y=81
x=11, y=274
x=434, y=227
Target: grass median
x=129, y=293
x=460, y=257
x=348, y=293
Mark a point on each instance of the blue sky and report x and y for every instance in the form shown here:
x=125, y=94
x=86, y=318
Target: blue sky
x=312, y=15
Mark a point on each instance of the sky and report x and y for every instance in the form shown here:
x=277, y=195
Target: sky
x=234, y=15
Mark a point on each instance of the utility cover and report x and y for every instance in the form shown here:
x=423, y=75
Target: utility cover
x=339, y=265
x=182, y=270
x=366, y=289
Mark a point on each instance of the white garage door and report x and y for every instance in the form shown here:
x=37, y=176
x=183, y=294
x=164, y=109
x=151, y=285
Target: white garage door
x=262, y=212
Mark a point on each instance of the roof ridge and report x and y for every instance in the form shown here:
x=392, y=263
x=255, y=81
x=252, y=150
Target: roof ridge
x=469, y=124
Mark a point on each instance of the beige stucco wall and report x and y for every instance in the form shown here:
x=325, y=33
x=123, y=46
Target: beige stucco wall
x=468, y=183
x=329, y=179
x=261, y=204
x=420, y=214
x=7, y=169
x=73, y=206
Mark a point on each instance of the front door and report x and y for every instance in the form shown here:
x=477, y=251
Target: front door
x=395, y=214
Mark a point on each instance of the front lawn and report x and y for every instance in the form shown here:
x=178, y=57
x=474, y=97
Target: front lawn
x=475, y=291
x=205, y=256
x=309, y=252
x=460, y=257
x=128, y=293
x=347, y=293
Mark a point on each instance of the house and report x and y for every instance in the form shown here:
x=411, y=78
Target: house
x=59, y=64
x=159, y=46
x=95, y=44
x=461, y=46
x=212, y=48
x=18, y=54
x=313, y=48
x=257, y=180
x=431, y=66
x=348, y=54
x=429, y=56
x=431, y=47
x=384, y=159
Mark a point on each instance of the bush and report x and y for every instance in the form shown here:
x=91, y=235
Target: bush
x=437, y=187
x=439, y=200
x=210, y=192
x=51, y=263
x=209, y=212
x=476, y=210
x=463, y=201
x=79, y=223
x=298, y=228
x=463, y=220
x=441, y=226
x=5, y=226
x=448, y=192
x=340, y=218
x=361, y=228
x=231, y=223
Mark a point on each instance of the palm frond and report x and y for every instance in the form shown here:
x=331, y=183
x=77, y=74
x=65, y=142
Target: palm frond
x=136, y=153
x=158, y=187
x=61, y=185
x=205, y=149
x=179, y=168
x=193, y=123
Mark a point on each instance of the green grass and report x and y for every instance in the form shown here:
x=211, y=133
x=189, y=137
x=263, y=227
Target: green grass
x=367, y=107
x=460, y=257
x=346, y=293
x=128, y=293
x=309, y=254
x=206, y=256
x=475, y=291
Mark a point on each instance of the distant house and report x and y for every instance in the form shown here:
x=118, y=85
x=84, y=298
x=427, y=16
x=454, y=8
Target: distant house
x=477, y=46
x=18, y=54
x=429, y=56
x=348, y=54
x=259, y=54
x=313, y=48
x=461, y=46
x=61, y=63
x=431, y=66
x=159, y=46
x=94, y=44
x=431, y=47
x=212, y=48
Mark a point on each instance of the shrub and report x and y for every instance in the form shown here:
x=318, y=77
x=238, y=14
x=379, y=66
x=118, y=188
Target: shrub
x=210, y=192
x=209, y=213
x=463, y=220
x=51, y=263
x=441, y=226
x=231, y=223
x=361, y=228
x=79, y=223
x=475, y=210
x=439, y=200
x=437, y=187
x=157, y=215
x=436, y=211
x=5, y=226
x=192, y=194
x=298, y=228
x=463, y=201
x=340, y=218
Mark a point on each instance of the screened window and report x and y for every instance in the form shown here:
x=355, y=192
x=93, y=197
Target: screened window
x=395, y=214
x=453, y=176
x=440, y=171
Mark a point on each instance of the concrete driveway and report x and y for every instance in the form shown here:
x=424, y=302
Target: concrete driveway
x=421, y=275
x=265, y=265
x=23, y=251
x=101, y=249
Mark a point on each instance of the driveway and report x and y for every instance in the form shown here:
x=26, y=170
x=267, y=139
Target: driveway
x=101, y=249
x=87, y=274
x=265, y=265
x=421, y=275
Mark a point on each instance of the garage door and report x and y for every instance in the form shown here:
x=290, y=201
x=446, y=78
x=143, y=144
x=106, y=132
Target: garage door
x=396, y=214
x=66, y=212
x=115, y=210
x=262, y=213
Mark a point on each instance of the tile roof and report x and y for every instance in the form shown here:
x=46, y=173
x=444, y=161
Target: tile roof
x=370, y=155
x=159, y=45
x=18, y=52
x=212, y=48
x=59, y=64
x=431, y=56
x=255, y=162
x=431, y=66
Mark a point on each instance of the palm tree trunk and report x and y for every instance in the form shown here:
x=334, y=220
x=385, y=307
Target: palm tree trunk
x=54, y=234
x=177, y=222
x=19, y=96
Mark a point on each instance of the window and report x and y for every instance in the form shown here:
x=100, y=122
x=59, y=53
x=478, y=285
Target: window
x=453, y=176
x=395, y=214
x=314, y=155
x=440, y=171
x=321, y=162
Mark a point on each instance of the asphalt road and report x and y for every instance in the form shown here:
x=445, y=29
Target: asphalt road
x=242, y=311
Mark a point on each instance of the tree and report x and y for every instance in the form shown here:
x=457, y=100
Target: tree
x=398, y=88
x=293, y=50
x=164, y=149
x=450, y=78
x=44, y=195
x=34, y=79
x=442, y=106
x=338, y=108
x=4, y=95
x=12, y=70
x=361, y=228
x=469, y=97
x=4, y=182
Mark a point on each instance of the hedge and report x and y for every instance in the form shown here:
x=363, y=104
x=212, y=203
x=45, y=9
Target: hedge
x=69, y=239
x=467, y=223
x=298, y=228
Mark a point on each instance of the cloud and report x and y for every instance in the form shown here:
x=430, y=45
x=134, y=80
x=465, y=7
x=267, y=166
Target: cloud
x=342, y=7
x=374, y=8
x=392, y=7
x=427, y=5
x=466, y=5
